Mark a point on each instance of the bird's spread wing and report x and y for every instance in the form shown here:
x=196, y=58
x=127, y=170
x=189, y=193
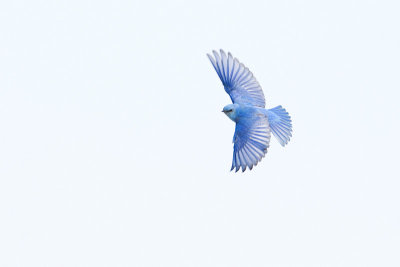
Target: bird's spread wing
x=251, y=141
x=238, y=81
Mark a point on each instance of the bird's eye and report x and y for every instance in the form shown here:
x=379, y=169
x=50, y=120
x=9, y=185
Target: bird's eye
x=230, y=110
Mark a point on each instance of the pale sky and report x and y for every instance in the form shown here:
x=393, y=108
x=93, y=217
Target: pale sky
x=114, y=152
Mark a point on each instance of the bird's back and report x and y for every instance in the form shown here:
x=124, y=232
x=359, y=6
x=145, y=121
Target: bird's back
x=248, y=112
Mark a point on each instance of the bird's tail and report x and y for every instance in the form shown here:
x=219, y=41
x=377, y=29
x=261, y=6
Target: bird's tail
x=280, y=124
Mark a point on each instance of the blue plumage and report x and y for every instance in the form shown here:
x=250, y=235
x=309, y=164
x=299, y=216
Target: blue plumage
x=254, y=123
x=280, y=124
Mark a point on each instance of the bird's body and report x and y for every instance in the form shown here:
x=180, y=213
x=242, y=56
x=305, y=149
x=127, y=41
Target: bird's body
x=241, y=112
x=254, y=123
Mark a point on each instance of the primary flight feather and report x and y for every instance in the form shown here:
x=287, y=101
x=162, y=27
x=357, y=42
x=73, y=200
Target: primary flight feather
x=254, y=123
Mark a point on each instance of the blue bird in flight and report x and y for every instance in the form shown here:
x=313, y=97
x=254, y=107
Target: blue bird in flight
x=254, y=123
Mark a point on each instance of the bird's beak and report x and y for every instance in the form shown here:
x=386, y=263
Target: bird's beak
x=222, y=111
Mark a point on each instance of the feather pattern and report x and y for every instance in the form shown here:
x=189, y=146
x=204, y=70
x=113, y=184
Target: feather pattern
x=280, y=124
x=238, y=81
x=251, y=141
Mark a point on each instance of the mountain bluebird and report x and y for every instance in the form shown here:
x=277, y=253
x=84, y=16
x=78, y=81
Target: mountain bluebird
x=254, y=123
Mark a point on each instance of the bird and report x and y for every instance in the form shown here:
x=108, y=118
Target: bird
x=254, y=123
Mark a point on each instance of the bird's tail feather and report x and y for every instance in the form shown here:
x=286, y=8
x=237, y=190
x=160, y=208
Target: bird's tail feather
x=280, y=124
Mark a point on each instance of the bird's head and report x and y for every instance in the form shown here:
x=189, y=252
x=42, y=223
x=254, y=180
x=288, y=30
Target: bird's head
x=230, y=111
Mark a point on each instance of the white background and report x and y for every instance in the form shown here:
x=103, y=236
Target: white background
x=114, y=152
